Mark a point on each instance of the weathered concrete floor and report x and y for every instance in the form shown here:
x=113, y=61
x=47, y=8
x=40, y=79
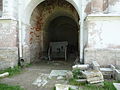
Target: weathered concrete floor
x=29, y=75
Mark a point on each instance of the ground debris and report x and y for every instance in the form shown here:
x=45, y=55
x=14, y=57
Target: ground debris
x=4, y=75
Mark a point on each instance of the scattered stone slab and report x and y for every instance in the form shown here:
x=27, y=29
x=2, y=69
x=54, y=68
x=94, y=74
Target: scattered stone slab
x=69, y=75
x=62, y=87
x=93, y=76
x=4, y=75
x=65, y=87
x=81, y=67
x=74, y=87
x=117, y=85
x=56, y=73
x=95, y=65
x=42, y=80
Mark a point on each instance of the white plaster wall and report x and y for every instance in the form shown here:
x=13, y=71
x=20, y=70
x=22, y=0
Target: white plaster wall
x=10, y=9
x=115, y=7
x=104, y=32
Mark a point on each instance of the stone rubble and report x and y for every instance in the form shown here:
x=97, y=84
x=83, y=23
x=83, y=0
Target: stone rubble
x=42, y=80
x=107, y=72
x=69, y=75
x=93, y=76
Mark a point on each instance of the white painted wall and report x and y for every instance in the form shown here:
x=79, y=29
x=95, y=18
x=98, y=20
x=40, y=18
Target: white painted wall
x=114, y=8
x=104, y=32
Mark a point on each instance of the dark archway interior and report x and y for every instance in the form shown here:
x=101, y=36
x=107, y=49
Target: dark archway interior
x=64, y=28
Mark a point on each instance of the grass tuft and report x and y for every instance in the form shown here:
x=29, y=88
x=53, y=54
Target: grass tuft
x=12, y=71
x=8, y=87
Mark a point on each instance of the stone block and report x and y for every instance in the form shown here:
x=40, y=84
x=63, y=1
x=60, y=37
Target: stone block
x=117, y=74
x=95, y=65
x=93, y=76
x=62, y=87
x=4, y=75
x=69, y=75
x=117, y=86
x=107, y=72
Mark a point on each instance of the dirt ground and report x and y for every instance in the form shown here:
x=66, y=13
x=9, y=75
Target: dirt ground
x=32, y=73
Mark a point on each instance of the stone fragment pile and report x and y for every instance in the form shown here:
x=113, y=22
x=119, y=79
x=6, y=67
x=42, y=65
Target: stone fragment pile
x=91, y=72
x=93, y=76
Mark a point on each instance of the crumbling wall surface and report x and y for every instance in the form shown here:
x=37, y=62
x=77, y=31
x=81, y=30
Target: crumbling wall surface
x=103, y=39
x=8, y=44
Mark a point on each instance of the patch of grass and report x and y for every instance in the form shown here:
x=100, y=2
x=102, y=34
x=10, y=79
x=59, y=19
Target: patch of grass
x=12, y=71
x=73, y=82
x=77, y=74
x=54, y=88
x=28, y=65
x=8, y=87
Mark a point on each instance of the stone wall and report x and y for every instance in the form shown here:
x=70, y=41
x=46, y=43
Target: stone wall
x=8, y=57
x=103, y=56
x=8, y=43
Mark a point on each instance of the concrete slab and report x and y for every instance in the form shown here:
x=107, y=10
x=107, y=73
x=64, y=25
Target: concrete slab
x=55, y=73
x=117, y=85
x=106, y=69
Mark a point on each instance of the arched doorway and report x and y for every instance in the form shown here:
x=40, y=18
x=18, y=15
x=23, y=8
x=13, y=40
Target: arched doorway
x=53, y=21
x=61, y=29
